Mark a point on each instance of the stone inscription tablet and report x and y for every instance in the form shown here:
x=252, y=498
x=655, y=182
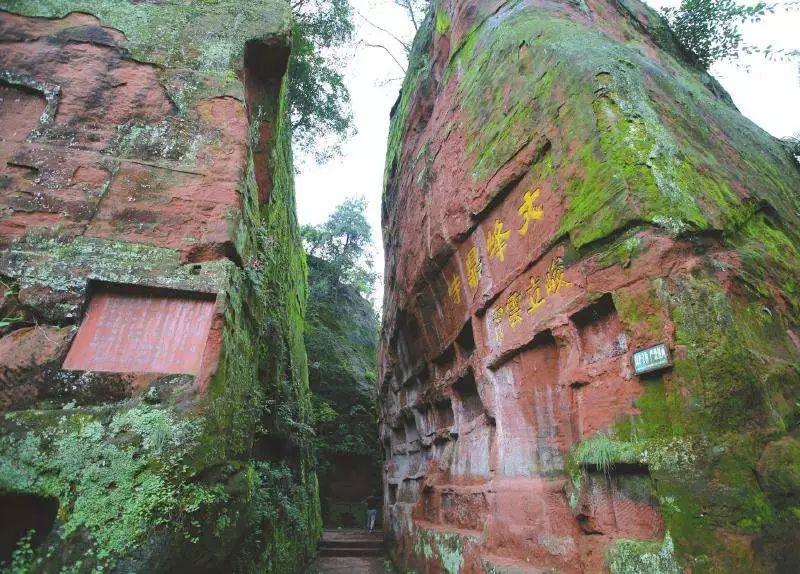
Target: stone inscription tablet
x=132, y=330
x=651, y=359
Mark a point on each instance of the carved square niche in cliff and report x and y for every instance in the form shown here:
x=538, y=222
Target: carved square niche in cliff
x=471, y=406
x=601, y=332
x=443, y=414
x=130, y=329
x=20, y=111
x=465, y=510
x=465, y=343
x=620, y=502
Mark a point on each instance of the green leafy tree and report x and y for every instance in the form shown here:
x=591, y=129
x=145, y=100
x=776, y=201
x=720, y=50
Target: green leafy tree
x=321, y=115
x=343, y=246
x=709, y=29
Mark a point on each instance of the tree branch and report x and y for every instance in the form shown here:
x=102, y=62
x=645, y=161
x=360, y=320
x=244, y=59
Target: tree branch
x=410, y=9
x=405, y=45
x=387, y=50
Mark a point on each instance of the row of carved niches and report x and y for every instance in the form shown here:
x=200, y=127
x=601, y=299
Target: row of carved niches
x=422, y=385
x=407, y=354
x=435, y=414
x=571, y=382
x=127, y=340
x=447, y=456
x=438, y=429
x=425, y=408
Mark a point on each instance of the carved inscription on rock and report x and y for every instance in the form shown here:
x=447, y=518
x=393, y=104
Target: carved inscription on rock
x=132, y=330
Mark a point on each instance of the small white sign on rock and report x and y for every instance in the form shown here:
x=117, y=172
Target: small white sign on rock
x=651, y=359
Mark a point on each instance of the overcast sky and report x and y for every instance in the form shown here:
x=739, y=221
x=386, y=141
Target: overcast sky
x=768, y=93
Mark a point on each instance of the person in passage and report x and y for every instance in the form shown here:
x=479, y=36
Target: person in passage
x=372, y=512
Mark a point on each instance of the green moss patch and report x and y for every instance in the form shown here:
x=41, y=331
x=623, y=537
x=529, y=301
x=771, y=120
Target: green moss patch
x=636, y=556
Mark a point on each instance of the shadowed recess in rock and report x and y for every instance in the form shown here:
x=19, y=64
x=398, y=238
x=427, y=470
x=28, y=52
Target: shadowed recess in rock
x=24, y=516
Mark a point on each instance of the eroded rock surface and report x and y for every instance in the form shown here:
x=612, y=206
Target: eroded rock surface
x=563, y=190
x=145, y=166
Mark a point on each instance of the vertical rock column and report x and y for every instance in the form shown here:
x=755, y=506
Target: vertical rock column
x=590, y=344
x=153, y=373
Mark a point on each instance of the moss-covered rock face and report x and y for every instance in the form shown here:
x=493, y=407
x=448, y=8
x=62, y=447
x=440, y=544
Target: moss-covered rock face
x=146, y=144
x=341, y=340
x=779, y=471
x=563, y=190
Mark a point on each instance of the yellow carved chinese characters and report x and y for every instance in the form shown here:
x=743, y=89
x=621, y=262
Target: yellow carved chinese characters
x=497, y=241
x=473, y=267
x=513, y=309
x=497, y=319
x=454, y=289
x=535, y=295
x=555, y=277
x=528, y=211
x=554, y=281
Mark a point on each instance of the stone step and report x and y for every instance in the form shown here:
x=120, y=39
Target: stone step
x=351, y=534
x=348, y=565
x=371, y=543
x=351, y=543
x=351, y=551
x=503, y=565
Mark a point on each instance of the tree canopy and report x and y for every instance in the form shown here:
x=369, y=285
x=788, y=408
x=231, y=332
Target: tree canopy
x=709, y=29
x=320, y=110
x=343, y=246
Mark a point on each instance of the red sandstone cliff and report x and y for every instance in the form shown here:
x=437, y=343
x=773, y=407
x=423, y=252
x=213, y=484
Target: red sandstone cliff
x=563, y=190
x=152, y=291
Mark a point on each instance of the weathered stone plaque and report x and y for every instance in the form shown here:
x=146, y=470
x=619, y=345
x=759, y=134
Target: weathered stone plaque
x=134, y=330
x=651, y=359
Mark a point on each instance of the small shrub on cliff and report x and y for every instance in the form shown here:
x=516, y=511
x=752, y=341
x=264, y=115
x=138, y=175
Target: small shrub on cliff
x=602, y=451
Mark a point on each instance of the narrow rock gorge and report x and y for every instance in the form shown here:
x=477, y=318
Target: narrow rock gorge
x=589, y=358
x=590, y=344
x=153, y=376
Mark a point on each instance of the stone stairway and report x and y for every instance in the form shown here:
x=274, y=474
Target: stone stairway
x=351, y=543
x=350, y=552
